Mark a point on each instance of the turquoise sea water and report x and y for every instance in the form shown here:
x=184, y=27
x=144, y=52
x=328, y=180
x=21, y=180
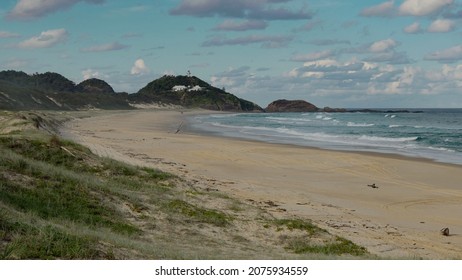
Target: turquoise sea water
x=431, y=133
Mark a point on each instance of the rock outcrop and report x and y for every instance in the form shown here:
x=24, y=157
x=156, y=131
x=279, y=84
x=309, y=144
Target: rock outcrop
x=283, y=105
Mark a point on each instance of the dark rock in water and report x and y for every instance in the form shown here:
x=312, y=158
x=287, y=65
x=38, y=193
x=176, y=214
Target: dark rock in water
x=365, y=111
x=283, y=105
x=334, y=110
x=381, y=111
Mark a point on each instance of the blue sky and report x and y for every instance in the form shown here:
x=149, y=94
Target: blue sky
x=374, y=53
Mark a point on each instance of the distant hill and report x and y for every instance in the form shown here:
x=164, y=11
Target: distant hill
x=94, y=85
x=190, y=91
x=52, y=91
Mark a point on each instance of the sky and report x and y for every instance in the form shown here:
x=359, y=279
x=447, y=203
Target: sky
x=350, y=54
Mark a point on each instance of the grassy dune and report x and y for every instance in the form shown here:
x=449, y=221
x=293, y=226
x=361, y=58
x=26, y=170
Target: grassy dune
x=60, y=201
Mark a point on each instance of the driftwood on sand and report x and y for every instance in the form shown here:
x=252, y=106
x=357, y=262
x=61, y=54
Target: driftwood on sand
x=445, y=231
x=179, y=128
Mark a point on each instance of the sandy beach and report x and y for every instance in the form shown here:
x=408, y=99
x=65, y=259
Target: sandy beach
x=402, y=218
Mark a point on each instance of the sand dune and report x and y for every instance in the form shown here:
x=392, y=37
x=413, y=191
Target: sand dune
x=401, y=218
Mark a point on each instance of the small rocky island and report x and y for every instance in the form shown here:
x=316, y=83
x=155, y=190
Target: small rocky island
x=283, y=105
x=297, y=106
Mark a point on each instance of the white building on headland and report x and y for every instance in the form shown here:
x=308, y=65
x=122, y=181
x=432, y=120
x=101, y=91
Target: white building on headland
x=182, y=88
x=179, y=88
x=195, y=88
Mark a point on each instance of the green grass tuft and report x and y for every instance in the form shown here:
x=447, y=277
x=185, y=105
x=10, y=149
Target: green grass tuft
x=22, y=241
x=298, y=224
x=198, y=213
x=340, y=246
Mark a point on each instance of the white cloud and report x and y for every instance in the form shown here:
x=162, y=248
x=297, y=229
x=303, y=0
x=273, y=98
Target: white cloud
x=394, y=81
x=266, y=41
x=33, y=9
x=6, y=34
x=331, y=69
x=257, y=9
x=413, y=28
x=222, y=81
x=446, y=79
x=446, y=55
x=406, y=79
x=423, y=7
x=169, y=73
x=46, y=39
x=382, y=46
x=453, y=73
x=390, y=57
x=139, y=68
x=90, y=73
x=232, y=25
x=115, y=46
x=385, y=9
x=441, y=26
x=312, y=56
x=16, y=63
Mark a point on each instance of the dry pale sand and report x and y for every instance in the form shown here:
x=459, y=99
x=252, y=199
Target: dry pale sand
x=401, y=218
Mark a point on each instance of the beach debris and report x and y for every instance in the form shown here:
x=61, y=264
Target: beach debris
x=271, y=203
x=374, y=186
x=445, y=231
x=67, y=151
x=179, y=128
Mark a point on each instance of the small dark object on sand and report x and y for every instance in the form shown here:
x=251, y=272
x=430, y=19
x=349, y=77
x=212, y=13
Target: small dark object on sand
x=373, y=186
x=445, y=231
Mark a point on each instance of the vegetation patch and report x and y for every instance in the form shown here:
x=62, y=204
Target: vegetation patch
x=339, y=246
x=298, y=224
x=22, y=241
x=197, y=213
x=314, y=240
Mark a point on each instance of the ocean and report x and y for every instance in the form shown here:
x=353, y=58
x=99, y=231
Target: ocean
x=425, y=133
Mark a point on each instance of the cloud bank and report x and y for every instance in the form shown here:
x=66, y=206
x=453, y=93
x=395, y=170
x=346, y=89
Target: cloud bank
x=416, y=8
x=385, y=9
x=423, y=7
x=232, y=25
x=46, y=39
x=258, y=9
x=115, y=46
x=34, y=9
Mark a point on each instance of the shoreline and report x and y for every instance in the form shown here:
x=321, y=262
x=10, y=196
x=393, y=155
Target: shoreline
x=400, y=219
x=197, y=129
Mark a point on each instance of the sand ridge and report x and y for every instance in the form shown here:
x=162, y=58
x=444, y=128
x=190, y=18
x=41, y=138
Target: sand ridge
x=399, y=219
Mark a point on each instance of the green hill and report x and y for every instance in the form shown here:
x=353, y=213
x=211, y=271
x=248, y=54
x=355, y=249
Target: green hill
x=190, y=91
x=94, y=85
x=52, y=91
